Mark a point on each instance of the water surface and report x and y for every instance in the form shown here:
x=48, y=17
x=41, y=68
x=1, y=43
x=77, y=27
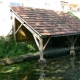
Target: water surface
x=59, y=68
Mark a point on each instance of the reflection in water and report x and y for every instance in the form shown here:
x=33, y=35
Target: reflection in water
x=42, y=74
x=59, y=68
x=72, y=61
x=64, y=68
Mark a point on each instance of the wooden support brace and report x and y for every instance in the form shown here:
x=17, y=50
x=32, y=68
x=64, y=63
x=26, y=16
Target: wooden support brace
x=72, y=43
x=9, y=32
x=35, y=38
x=75, y=39
x=72, y=40
x=46, y=43
x=18, y=28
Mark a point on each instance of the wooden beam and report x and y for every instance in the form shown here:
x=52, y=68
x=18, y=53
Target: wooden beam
x=69, y=40
x=37, y=43
x=72, y=40
x=41, y=49
x=75, y=39
x=18, y=28
x=13, y=26
x=72, y=43
x=9, y=32
x=46, y=43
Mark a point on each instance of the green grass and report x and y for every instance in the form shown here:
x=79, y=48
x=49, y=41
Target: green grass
x=11, y=48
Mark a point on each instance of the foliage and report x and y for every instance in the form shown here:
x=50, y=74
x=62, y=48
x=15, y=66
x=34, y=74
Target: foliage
x=30, y=47
x=22, y=71
x=73, y=15
x=11, y=48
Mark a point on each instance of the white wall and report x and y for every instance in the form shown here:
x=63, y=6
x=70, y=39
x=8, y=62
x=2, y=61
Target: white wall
x=5, y=21
x=5, y=24
x=52, y=4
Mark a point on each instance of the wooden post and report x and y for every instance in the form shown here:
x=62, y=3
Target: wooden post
x=72, y=42
x=14, y=29
x=72, y=52
x=41, y=60
x=13, y=26
x=41, y=49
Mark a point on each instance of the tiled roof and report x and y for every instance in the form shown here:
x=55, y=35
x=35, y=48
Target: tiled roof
x=48, y=22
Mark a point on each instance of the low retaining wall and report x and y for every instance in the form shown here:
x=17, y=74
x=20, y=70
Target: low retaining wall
x=22, y=58
x=27, y=57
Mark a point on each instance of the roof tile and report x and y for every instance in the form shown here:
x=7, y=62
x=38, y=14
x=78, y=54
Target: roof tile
x=49, y=22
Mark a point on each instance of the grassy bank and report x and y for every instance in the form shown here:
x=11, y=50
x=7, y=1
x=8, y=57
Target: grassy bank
x=12, y=49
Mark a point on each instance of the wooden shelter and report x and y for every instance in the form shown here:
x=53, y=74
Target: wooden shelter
x=42, y=24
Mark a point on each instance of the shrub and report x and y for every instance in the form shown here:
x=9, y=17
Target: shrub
x=11, y=48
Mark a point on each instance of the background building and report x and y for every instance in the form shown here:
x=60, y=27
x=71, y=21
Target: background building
x=5, y=16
